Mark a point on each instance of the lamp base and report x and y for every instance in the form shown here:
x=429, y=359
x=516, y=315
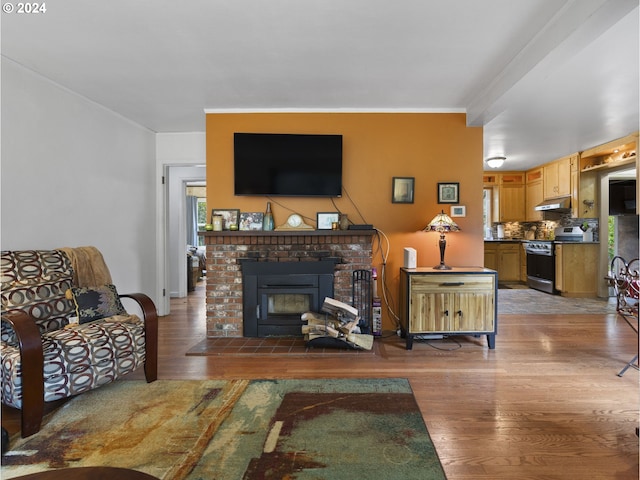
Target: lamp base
x=442, y=266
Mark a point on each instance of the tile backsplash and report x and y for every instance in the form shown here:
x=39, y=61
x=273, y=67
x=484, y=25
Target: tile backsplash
x=542, y=230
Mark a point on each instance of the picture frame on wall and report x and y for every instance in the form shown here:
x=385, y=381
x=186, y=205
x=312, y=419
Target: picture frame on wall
x=325, y=220
x=402, y=189
x=458, y=211
x=448, y=192
x=251, y=221
x=230, y=217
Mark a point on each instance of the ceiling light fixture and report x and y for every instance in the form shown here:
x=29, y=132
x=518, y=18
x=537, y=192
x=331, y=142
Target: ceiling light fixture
x=495, y=162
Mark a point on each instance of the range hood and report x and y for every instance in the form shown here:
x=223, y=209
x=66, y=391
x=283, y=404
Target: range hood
x=562, y=204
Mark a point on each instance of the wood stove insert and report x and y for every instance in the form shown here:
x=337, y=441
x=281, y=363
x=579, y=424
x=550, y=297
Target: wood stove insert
x=275, y=294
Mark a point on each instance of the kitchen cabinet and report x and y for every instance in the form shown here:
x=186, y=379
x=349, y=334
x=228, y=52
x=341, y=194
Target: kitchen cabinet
x=490, y=179
x=511, y=204
x=509, y=262
x=504, y=257
x=491, y=255
x=508, y=202
x=557, y=178
x=534, y=195
x=575, y=185
x=460, y=301
x=614, y=154
x=576, y=269
x=597, y=160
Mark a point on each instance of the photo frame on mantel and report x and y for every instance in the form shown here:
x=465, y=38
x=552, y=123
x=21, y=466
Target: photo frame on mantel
x=326, y=219
x=230, y=217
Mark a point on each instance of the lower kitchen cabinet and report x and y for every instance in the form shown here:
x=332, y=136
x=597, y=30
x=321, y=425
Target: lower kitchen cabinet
x=460, y=301
x=577, y=269
x=505, y=257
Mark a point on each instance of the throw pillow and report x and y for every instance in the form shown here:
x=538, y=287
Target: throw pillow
x=94, y=303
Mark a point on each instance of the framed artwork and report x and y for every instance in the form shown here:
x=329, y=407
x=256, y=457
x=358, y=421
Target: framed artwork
x=402, y=189
x=449, y=192
x=251, y=221
x=325, y=220
x=230, y=217
x=459, y=211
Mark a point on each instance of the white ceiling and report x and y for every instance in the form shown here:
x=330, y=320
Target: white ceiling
x=545, y=78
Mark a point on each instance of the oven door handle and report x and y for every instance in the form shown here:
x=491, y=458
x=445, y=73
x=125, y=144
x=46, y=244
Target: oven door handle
x=451, y=284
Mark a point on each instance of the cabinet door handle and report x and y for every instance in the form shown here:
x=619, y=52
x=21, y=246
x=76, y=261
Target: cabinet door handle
x=446, y=313
x=451, y=284
x=460, y=312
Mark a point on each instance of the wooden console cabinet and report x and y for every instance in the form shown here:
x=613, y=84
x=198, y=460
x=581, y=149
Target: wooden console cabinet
x=460, y=301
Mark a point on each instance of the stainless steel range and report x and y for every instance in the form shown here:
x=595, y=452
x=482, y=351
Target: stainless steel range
x=541, y=258
x=571, y=234
x=541, y=265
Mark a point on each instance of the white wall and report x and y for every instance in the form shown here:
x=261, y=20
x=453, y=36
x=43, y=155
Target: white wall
x=74, y=173
x=179, y=157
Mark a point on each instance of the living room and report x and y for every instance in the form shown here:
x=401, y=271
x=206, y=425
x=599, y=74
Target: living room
x=76, y=171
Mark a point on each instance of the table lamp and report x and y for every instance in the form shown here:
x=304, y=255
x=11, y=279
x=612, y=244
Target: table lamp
x=442, y=224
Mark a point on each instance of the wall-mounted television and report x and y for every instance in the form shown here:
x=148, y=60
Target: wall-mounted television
x=294, y=165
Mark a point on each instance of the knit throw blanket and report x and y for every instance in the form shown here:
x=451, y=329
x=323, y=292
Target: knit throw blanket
x=89, y=267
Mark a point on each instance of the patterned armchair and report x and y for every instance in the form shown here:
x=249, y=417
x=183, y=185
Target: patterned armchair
x=60, y=338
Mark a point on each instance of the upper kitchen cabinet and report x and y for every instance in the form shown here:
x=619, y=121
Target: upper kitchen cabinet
x=614, y=154
x=575, y=185
x=534, y=194
x=557, y=178
x=561, y=179
x=594, y=161
x=508, y=195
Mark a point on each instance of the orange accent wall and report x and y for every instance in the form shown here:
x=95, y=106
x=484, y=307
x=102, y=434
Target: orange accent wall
x=432, y=147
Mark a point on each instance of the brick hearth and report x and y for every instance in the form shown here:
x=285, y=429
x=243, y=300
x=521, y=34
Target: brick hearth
x=224, y=275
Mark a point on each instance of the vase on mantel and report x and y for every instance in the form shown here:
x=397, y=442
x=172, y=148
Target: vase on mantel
x=344, y=221
x=267, y=221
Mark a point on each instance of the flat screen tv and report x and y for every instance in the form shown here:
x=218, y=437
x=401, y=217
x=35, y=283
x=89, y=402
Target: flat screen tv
x=294, y=165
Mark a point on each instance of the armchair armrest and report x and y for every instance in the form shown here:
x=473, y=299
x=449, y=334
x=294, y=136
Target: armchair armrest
x=32, y=365
x=150, y=317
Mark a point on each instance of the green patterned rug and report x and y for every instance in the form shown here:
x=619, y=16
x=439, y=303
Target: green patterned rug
x=238, y=429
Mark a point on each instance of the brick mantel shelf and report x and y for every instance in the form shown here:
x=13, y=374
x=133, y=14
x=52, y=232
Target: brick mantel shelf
x=353, y=249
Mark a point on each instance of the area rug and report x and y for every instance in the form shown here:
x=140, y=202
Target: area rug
x=238, y=429
x=530, y=301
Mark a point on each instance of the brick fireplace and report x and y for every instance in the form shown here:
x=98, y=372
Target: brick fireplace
x=226, y=251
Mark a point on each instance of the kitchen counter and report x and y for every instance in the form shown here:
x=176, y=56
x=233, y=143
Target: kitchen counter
x=575, y=243
x=520, y=240
x=504, y=240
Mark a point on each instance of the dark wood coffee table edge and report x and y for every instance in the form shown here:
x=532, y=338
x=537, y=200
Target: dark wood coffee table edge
x=89, y=473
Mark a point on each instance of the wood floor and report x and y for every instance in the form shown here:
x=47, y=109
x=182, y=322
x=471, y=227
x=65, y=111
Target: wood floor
x=545, y=404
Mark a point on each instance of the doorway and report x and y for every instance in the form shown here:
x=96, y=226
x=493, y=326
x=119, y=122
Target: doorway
x=623, y=218
x=177, y=179
x=618, y=225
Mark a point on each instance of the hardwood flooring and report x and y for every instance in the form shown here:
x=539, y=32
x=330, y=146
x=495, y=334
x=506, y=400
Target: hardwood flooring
x=545, y=404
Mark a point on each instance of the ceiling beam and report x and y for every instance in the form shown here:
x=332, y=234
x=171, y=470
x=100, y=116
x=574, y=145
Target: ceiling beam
x=575, y=26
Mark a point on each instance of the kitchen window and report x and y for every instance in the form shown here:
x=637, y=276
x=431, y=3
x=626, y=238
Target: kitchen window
x=487, y=194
